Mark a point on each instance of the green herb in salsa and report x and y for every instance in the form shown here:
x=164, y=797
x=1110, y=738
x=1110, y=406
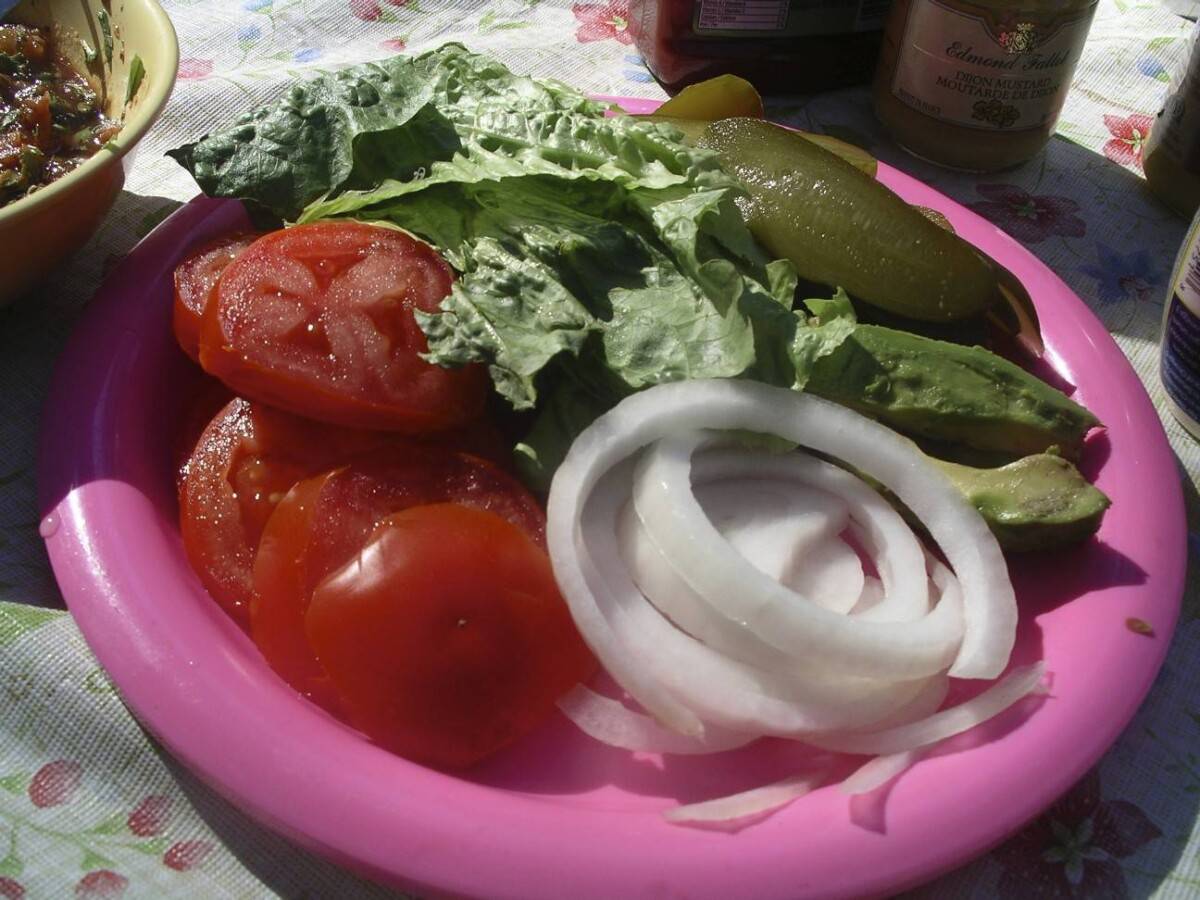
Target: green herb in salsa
x=50, y=118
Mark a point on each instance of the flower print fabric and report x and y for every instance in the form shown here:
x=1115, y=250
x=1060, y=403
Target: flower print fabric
x=190, y=68
x=367, y=10
x=1028, y=217
x=1124, y=276
x=599, y=22
x=101, y=884
x=1128, y=135
x=1073, y=850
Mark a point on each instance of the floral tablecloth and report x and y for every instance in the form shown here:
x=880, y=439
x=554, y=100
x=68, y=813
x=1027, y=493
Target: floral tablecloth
x=91, y=807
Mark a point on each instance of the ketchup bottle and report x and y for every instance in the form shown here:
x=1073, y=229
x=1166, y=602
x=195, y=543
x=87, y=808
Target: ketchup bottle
x=781, y=46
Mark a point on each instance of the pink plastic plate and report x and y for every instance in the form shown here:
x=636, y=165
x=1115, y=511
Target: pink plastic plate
x=558, y=814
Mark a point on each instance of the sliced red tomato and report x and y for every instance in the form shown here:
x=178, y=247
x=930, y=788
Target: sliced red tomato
x=195, y=278
x=318, y=319
x=324, y=521
x=247, y=458
x=445, y=636
x=200, y=409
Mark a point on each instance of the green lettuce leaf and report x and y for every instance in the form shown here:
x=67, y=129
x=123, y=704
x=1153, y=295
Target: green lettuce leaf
x=348, y=128
x=828, y=310
x=381, y=124
x=833, y=322
x=564, y=414
x=596, y=254
x=637, y=285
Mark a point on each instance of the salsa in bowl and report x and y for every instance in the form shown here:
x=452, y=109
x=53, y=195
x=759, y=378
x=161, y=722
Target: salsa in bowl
x=80, y=85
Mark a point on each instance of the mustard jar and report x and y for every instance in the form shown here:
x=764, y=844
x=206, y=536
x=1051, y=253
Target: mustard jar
x=978, y=84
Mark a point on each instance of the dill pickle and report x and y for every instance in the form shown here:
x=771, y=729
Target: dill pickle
x=842, y=228
x=693, y=131
x=851, y=153
x=728, y=96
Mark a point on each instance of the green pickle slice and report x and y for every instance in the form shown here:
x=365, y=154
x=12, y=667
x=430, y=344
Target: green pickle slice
x=840, y=227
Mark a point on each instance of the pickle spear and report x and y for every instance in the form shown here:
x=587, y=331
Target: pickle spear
x=841, y=227
x=728, y=96
x=693, y=132
x=1017, y=315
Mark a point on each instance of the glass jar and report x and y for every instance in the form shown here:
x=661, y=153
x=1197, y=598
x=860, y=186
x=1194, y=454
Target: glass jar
x=784, y=46
x=1171, y=158
x=978, y=84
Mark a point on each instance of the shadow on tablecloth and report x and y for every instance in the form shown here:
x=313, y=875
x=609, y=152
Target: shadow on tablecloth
x=33, y=332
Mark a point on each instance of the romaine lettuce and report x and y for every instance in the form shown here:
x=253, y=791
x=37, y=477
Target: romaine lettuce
x=597, y=254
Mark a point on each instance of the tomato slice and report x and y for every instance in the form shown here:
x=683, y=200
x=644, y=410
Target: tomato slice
x=318, y=319
x=245, y=460
x=195, y=278
x=446, y=636
x=324, y=521
x=199, y=409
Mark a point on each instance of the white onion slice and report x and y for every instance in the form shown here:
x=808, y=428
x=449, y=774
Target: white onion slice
x=989, y=606
x=675, y=599
x=716, y=688
x=754, y=802
x=725, y=590
x=772, y=524
x=741, y=594
x=830, y=573
x=877, y=772
x=781, y=527
x=612, y=722
x=595, y=606
x=871, y=596
x=927, y=701
x=884, y=535
x=1016, y=685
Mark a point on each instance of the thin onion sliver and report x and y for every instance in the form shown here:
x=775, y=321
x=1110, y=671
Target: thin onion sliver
x=611, y=722
x=1016, y=685
x=877, y=772
x=754, y=802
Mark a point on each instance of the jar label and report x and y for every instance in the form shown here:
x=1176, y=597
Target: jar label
x=788, y=18
x=995, y=70
x=742, y=15
x=1180, y=360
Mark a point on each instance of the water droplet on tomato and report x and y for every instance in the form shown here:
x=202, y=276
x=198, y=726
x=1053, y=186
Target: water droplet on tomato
x=48, y=526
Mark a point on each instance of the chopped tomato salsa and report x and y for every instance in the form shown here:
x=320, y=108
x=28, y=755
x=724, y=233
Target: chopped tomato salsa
x=50, y=118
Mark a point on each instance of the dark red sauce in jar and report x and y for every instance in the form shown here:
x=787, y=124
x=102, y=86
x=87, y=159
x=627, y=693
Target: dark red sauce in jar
x=781, y=46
